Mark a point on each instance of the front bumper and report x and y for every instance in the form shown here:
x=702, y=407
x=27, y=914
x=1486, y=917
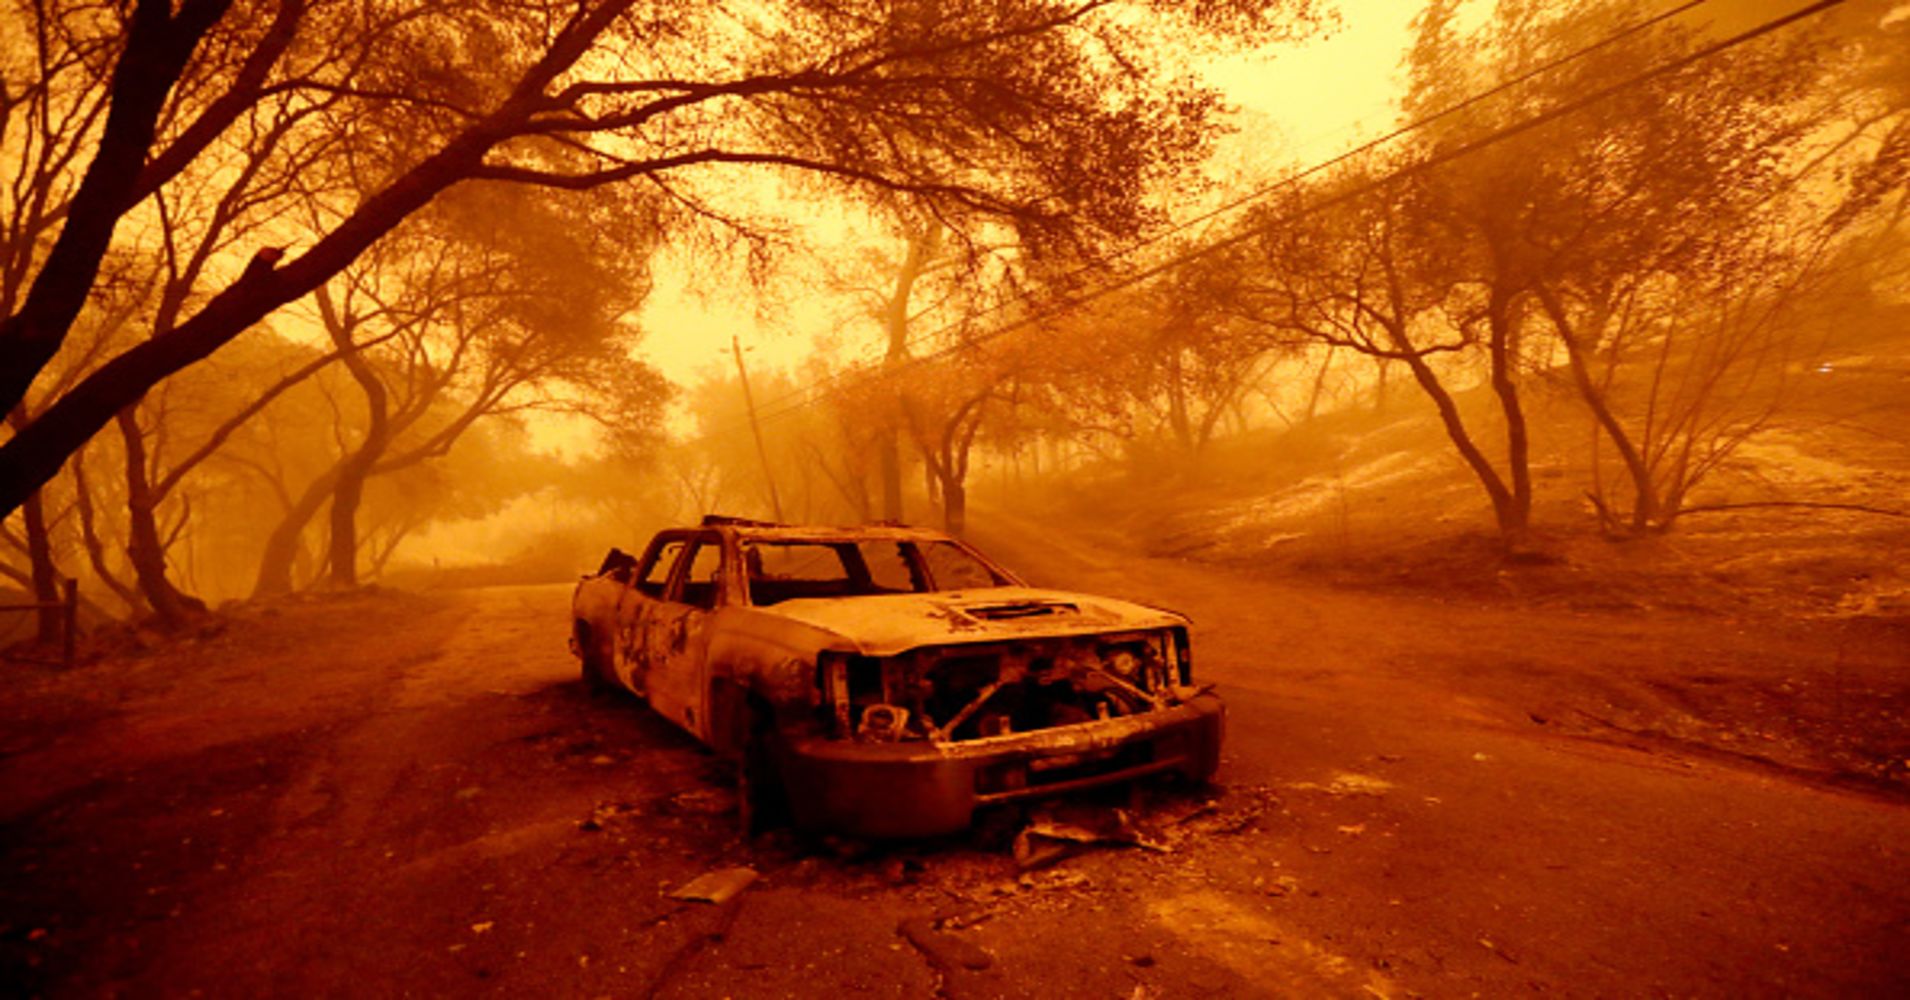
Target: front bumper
x=917, y=789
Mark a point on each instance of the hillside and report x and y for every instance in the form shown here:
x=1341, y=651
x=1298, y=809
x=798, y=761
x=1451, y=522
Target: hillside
x=1379, y=498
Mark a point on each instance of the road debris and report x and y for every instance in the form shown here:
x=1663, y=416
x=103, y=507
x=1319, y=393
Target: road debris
x=1346, y=783
x=1282, y=885
x=705, y=932
x=704, y=801
x=1054, y=879
x=604, y=813
x=716, y=886
x=1047, y=838
x=1234, y=821
x=1497, y=950
x=945, y=950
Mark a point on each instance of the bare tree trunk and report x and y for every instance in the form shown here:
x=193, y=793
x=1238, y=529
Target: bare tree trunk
x=282, y=546
x=895, y=320
x=1319, y=385
x=1505, y=511
x=1515, y=511
x=46, y=575
x=348, y=488
x=95, y=548
x=144, y=547
x=889, y=467
x=1645, y=506
x=1177, y=418
x=954, y=507
x=342, y=553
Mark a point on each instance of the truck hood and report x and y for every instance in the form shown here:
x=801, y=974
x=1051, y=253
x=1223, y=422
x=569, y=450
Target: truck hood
x=887, y=624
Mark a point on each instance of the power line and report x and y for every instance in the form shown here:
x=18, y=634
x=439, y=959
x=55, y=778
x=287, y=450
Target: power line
x=1413, y=126
x=822, y=391
x=1263, y=191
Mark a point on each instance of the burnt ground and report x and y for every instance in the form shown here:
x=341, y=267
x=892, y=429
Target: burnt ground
x=1424, y=794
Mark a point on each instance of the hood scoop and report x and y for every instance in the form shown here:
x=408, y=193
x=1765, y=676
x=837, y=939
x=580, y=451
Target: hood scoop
x=1020, y=609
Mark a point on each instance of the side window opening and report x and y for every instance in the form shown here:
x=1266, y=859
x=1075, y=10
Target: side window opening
x=699, y=583
x=656, y=572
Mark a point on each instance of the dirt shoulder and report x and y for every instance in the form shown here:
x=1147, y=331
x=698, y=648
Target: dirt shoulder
x=1657, y=645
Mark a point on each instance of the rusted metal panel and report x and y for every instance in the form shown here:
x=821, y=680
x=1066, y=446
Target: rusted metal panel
x=888, y=624
x=897, y=708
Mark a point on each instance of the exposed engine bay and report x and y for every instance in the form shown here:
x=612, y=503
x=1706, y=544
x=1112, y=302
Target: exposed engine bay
x=975, y=691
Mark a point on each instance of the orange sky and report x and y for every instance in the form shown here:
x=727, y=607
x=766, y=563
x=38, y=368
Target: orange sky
x=1298, y=103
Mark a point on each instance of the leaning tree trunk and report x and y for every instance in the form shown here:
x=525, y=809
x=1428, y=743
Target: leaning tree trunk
x=159, y=43
x=144, y=548
x=349, y=489
x=282, y=546
x=1645, y=505
x=1505, y=510
x=343, y=554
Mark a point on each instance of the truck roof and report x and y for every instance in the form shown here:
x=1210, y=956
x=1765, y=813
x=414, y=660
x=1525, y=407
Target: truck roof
x=772, y=531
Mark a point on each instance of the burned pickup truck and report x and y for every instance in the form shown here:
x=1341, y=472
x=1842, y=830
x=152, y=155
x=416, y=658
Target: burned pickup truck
x=887, y=681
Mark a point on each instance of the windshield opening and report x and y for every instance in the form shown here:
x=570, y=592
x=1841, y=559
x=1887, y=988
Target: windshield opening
x=785, y=571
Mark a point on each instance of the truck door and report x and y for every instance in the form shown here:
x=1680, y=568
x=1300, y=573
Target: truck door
x=637, y=605
x=677, y=637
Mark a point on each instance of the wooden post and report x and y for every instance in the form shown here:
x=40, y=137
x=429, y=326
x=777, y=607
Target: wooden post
x=749, y=400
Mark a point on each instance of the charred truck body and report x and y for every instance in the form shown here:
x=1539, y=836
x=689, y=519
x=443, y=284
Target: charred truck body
x=891, y=680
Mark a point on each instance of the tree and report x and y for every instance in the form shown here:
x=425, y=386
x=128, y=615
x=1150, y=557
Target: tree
x=946, y=405
x=1388, y=267
x=1045, y=112
x=1158, y=368
x=479, y=307
x=1664, y=232
x=1565, y=213
x=923, y=242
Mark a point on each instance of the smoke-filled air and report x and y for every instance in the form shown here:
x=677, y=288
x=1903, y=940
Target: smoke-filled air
x=1100, y=498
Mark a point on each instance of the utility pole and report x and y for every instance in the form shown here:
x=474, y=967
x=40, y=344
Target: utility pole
x=749, y=400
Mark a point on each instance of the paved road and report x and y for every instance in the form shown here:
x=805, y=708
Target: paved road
x=387, y=795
